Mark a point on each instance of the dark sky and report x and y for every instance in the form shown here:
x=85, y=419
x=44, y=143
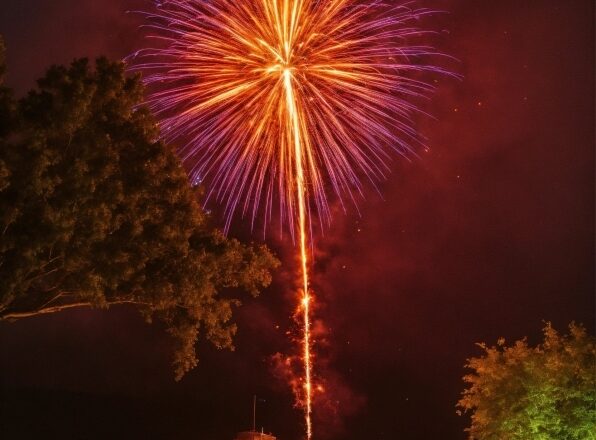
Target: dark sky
x=488, y=234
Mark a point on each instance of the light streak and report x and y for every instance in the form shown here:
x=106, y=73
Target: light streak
x=295, y=132
x=286, y=100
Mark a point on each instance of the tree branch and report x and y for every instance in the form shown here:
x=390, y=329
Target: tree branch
x=54, y=309
x=41, y=275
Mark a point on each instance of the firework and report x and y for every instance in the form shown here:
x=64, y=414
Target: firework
x=286, y=102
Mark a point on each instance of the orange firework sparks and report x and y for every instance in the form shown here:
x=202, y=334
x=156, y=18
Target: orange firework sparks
x=282, y=99
x=295, y=133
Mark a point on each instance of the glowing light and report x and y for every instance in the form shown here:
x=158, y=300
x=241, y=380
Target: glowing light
x=295, y=135
x=219, y=78
x=286, y=100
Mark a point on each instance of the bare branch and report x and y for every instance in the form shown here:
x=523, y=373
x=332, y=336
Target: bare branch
x=54, y=309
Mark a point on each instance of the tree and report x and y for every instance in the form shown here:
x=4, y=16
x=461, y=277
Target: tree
x=95, y=211
x=547, y=392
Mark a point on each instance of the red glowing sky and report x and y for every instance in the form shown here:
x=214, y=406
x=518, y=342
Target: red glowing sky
x=488, y=234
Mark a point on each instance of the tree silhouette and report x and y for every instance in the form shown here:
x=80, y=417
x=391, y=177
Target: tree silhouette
x=95, y=210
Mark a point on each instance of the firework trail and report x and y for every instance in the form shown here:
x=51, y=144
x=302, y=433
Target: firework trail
x=288, y=101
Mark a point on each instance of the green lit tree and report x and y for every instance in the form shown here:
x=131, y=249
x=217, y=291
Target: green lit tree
x=95, y=211
x=547, y=392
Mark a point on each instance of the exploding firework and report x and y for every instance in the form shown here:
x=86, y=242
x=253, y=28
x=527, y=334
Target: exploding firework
x=282, y=103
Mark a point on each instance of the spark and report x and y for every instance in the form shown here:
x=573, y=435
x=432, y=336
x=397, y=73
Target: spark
x=288, y=101
x=295, y=132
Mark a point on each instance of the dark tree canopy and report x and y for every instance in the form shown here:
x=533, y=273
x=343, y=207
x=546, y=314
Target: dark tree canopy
x=96, y=211
x=547, y=392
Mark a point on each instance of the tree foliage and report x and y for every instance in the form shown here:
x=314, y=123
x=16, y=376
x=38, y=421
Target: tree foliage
x=95, y=210
x=547, y=392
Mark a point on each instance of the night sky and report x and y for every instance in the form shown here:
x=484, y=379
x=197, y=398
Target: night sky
x=486, y=235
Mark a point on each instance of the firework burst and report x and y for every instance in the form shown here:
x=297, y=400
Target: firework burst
x=220, y=82
x=281, y=103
